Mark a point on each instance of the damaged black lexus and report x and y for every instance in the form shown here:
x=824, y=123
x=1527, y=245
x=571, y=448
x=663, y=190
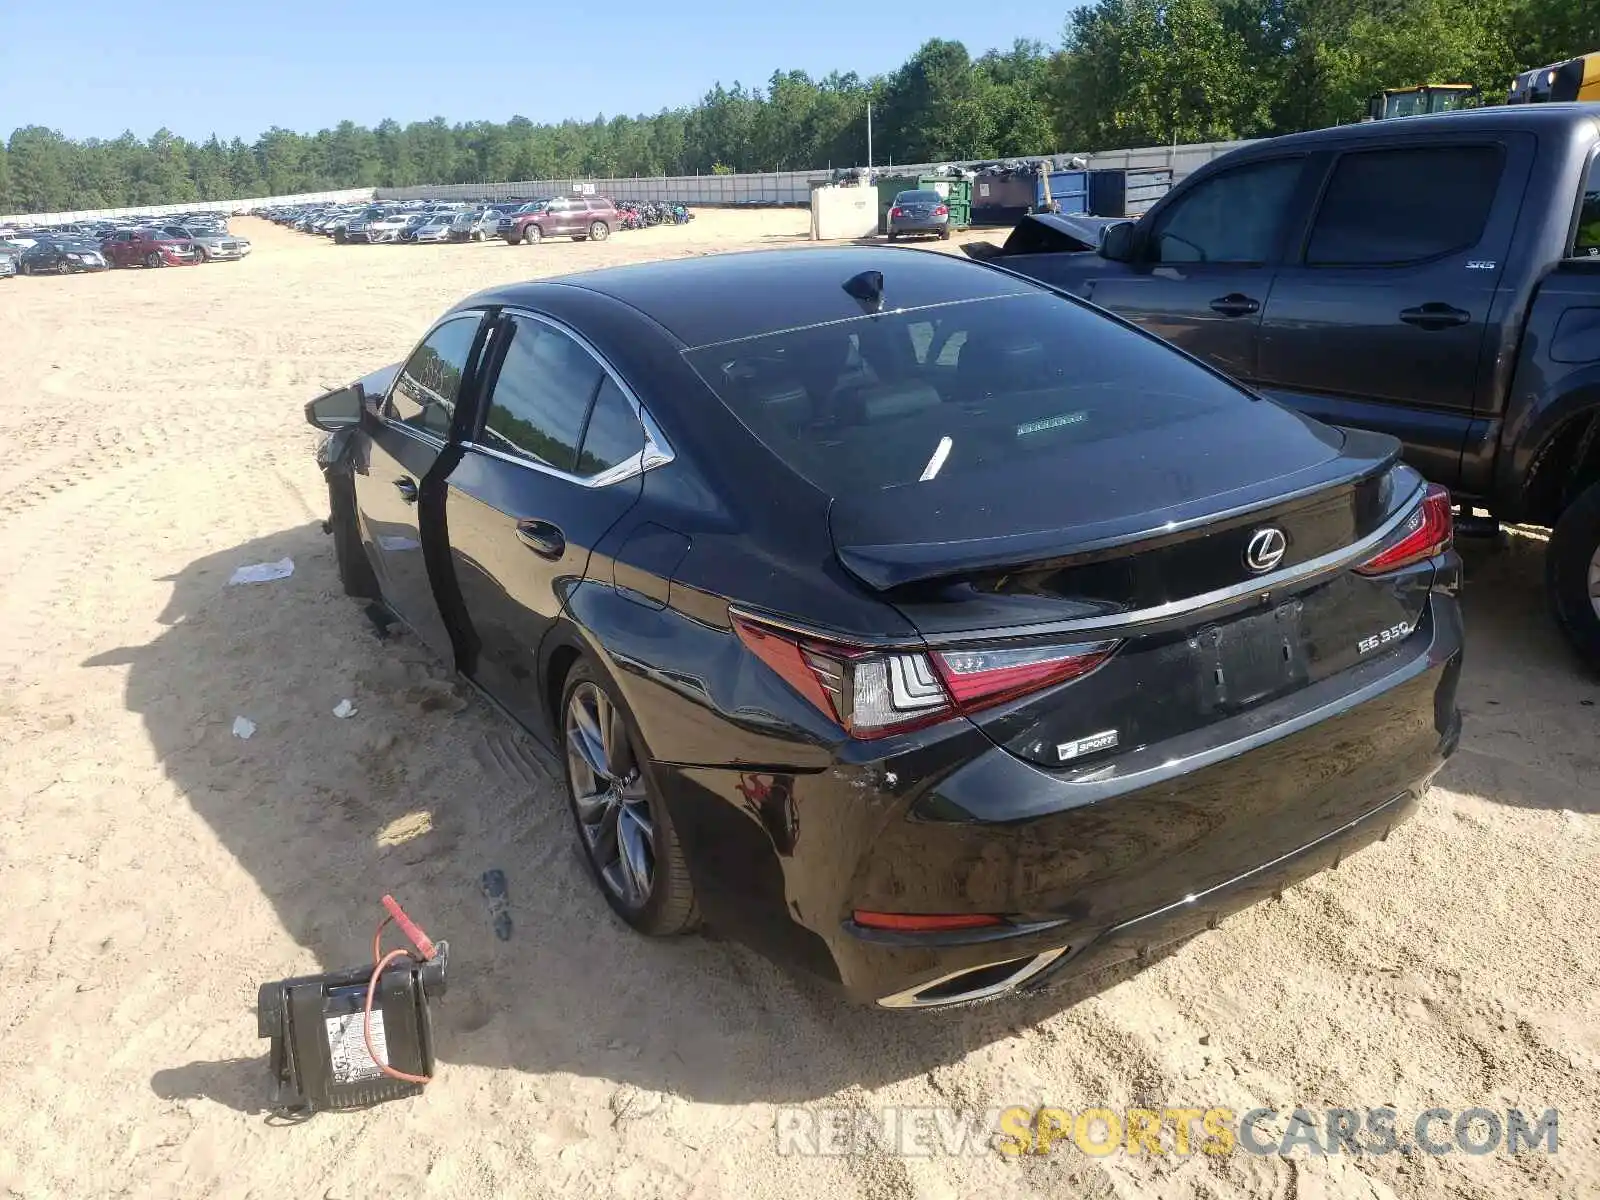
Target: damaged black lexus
x=917, y=625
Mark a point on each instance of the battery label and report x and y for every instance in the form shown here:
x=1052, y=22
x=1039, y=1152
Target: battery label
x=347, y=1046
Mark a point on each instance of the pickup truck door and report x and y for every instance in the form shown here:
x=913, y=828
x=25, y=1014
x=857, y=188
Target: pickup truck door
x=555, y=458
x=1378, y=319
x=1206, y=263
x=405, y=438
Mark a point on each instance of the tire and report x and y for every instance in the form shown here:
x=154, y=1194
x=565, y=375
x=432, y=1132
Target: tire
x=477, y=235
x=63, y=267
x=893, y=235
x=154, y=259
x=599, y=231
x=355, y=570
x=632, y=812
x=200, y=253
x=532, y=235
x=25, y=268
x=944, y=234
x=1572, y=575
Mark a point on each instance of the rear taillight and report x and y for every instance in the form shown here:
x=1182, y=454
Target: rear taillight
x=1428, y=531
x=873, y=693
x=897, y=212
x=941, y=211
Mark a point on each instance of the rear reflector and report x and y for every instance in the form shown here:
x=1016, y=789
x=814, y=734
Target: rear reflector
x=1426, y=533
x=873, y=694
x=924, y=922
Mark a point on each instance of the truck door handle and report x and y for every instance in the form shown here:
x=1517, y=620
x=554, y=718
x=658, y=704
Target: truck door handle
x=543, y=538
x=1435, y=315
x=407, y=489
x=1235, y=305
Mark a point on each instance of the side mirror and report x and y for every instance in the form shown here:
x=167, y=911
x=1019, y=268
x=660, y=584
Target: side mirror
x=337, y=409
x=1118, y=243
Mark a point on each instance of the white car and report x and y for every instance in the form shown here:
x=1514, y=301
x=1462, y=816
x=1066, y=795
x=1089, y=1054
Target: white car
x=387, y=229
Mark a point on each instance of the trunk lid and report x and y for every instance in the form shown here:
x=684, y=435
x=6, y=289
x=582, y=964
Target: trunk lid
x=1011, y=573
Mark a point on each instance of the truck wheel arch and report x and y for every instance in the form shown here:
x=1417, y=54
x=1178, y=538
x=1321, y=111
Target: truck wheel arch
x=1555, y=455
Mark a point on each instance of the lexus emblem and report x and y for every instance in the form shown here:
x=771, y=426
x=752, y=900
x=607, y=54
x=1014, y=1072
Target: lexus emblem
x=1266, y=549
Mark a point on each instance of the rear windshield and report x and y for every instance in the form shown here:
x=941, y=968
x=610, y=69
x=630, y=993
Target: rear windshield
x=1004, y=388
x=918, y=198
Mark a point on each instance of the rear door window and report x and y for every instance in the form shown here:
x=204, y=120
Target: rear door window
x=1408, y=205
x=1233, y=217
x=1587, y=241
x=1006, y=389
x=541, y=395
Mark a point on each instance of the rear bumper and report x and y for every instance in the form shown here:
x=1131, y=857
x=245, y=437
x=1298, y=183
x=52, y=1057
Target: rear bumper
x=927, y=225
x=1084, y=873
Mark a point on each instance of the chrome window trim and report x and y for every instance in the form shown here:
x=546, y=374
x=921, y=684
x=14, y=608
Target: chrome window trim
x=656, y=452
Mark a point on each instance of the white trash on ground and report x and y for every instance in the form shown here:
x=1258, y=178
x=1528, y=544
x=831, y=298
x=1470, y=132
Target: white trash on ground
x=243, y=727
x=345, y=709
x=263, y=572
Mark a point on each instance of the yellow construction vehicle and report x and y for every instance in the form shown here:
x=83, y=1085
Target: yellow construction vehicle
x=1576, y=79
x=1423, y=98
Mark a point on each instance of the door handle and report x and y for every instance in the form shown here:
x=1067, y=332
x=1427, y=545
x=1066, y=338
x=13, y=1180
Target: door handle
x=1235, y=305
x=1435, y=315
x=543, y=538
x=407, y=489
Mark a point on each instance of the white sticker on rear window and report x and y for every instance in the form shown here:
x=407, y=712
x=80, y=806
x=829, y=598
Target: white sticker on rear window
x=1072, y=418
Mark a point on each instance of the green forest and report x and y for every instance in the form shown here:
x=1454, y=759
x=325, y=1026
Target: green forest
x=1126, y=73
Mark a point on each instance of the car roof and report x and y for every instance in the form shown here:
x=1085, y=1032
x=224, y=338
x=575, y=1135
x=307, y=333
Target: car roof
x=1553, y=117
x=725, y=297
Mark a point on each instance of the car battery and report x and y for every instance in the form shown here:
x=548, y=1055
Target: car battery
x=318, y=1027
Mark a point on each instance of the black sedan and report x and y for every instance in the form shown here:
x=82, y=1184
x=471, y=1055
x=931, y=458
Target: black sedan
x=61, y=256
x=920, y=627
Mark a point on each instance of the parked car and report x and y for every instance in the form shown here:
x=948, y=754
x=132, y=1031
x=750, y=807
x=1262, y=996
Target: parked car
x=919, y=212
x=1429, y=277
x=10, y=257
x=885, y=636
x=211, y=245
x=149, y=247
x=436, y=227
x=61, y=256
x=579, y=217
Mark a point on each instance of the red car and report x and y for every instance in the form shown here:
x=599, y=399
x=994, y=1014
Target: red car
x=151, y=247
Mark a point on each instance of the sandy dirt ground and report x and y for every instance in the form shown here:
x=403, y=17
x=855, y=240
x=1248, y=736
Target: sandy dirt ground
x=154, y=869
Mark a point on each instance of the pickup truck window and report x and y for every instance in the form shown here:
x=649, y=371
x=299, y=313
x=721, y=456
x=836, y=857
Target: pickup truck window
x=1233, y=217
x=1386, y=208
x=1587, y=244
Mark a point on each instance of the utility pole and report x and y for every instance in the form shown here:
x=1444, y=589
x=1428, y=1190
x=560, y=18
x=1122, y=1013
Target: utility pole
x=869, y=135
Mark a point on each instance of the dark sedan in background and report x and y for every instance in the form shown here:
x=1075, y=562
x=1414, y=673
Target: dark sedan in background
x=61, y=256
x=919, y=212
x=915, y=625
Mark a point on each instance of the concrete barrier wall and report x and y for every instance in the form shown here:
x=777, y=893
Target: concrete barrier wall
x=772, y=187
x=161, y=210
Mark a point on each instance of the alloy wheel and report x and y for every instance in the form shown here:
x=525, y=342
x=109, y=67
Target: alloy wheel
x=609, y=794
x=63, y=267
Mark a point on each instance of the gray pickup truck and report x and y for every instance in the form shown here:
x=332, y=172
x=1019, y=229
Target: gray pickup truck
x=1435, y=278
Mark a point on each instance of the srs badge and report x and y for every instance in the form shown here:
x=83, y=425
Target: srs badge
x=1067, y=751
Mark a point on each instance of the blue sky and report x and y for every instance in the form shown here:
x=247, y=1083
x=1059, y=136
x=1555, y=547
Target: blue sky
x=92, y=68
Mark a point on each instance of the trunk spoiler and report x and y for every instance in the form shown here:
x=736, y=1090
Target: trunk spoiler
x=885, y=565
